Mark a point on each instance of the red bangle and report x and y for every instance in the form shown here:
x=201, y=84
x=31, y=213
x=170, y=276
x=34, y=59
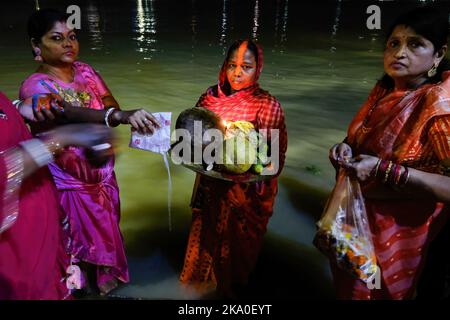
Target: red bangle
x=382, y=170
x=404, y=177
x=396, y=174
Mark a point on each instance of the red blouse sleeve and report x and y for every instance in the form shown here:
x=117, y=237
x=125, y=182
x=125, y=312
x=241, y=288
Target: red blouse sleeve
x=271, y=116
x=439, y=134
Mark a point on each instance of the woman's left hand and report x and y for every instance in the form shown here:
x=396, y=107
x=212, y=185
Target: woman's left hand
x=361, y=166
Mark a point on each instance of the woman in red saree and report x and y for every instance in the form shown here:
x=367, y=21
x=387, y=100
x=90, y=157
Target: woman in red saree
x=229, y=220
x=398, y=146
x=33, y=260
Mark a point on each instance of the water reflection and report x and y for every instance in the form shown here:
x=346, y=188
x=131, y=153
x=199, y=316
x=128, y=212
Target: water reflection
x=284, y=23
x=334, y=35
x=224, y=27
x=277, y=20
x=281, y=21
x=255, y=21
x=95, y=33
x=146, y=24
x=194, y=28
x=301, y=78
x=335, y=26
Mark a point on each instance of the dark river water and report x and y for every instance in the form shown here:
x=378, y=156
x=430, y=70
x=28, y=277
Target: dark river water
x=321, y=61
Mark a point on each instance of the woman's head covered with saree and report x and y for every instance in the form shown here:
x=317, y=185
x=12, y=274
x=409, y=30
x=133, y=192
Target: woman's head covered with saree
x=53, y=41
x=242, y=66
x=230, y=219
x=416, y=47
x=239, y=97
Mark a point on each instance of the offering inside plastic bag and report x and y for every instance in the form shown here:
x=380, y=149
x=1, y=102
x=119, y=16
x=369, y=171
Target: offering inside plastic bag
x=343, y=231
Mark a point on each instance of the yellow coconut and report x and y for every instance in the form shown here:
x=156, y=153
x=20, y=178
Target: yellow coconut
x=238, y=154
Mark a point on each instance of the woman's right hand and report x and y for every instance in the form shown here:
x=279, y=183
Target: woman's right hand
x=32, y=110
x=81, y=135
x=339, y=153
x=141, y=120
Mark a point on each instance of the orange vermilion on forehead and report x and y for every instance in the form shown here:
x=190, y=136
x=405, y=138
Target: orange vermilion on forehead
x=240, y=56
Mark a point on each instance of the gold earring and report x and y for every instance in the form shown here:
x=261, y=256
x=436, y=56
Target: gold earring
x=432, y=72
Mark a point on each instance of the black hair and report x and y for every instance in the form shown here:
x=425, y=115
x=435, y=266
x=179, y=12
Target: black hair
x=433, y=25
x=42, y=21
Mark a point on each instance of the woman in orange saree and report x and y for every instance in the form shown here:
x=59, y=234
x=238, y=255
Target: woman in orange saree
x=229, y=220
x=401, y=140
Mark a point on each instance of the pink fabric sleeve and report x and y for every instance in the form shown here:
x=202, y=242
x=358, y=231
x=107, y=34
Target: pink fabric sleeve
x=32, y=86
x=102, y=87
x=2, y=185
x=93, y=77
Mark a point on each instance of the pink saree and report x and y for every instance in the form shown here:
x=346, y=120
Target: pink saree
x=32, y=255
x=89, y=196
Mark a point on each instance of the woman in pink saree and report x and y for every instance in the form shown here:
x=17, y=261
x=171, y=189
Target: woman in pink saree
x=88, y=194
x=33, y=260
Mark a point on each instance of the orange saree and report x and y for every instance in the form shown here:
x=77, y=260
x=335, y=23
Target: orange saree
x=411, y=128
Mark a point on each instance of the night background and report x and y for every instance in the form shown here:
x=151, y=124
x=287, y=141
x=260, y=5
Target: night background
x=320, y=62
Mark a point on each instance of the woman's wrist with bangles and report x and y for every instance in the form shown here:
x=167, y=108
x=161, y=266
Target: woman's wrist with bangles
x=54, y=144
x=390, y=173
x=112, y=117
x=40, y=151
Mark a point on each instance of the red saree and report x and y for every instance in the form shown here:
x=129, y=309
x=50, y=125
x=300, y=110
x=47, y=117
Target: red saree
x=32, y=256
x=229, y=220
x=413, y=129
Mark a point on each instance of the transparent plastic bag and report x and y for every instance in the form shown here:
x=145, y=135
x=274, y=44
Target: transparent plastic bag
x=343, y=230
